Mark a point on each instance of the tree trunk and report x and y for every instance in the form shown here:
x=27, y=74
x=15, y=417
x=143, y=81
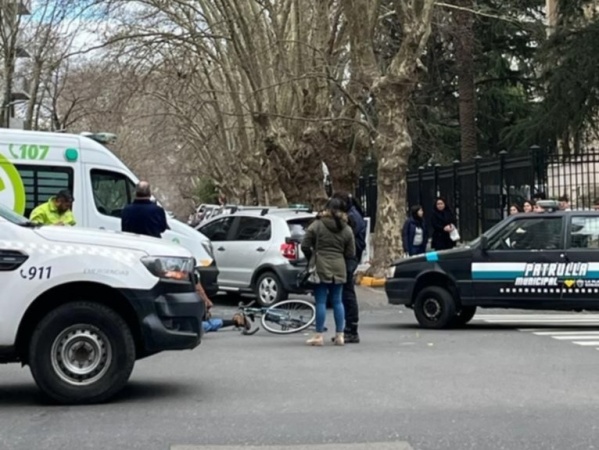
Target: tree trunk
x=33, y=94
x=6, y=94
x=464, y=41
x=393, y=147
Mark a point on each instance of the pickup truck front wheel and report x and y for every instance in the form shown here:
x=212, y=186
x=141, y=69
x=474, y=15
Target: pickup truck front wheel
x=81, y=352
x=435, y=308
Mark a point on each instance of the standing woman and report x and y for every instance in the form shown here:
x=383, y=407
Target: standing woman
x=328, y=243
x=443, y=222
x=414, y=233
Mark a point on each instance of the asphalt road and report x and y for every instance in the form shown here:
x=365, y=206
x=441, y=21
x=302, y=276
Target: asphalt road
x=505, y=382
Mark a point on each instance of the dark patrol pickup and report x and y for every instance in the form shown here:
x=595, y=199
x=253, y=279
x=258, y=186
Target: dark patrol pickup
x=541, y=261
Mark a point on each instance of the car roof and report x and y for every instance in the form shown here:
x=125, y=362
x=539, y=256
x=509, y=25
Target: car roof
x=285, y=214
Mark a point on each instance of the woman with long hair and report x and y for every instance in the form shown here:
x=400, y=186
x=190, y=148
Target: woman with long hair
x=328, y=243
x=443, y=223
x=414, y=233
x=528, y=206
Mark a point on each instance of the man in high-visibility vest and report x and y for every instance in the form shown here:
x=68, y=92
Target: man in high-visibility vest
x=56, y=211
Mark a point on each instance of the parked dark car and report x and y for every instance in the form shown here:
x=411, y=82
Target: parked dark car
x=538, y=261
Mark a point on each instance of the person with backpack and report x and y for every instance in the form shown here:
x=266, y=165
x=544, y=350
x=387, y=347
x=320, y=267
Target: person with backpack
x=414, y=233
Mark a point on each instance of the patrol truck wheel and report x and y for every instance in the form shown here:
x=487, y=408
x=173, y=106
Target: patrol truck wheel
x=464, y=316
x=81, y=352
x=434, y=308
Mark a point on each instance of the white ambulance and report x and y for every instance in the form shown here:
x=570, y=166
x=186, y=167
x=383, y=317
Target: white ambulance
x=35, y=165
x=79, y=306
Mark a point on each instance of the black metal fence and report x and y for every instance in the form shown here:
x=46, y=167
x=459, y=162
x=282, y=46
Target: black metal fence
x=481, y=192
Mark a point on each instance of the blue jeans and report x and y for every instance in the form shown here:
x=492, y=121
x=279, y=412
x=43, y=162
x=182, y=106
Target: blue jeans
x=212, y=324
x=321, y=292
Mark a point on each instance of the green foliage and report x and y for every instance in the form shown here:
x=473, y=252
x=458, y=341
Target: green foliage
x=570, y=106
x=206, y=191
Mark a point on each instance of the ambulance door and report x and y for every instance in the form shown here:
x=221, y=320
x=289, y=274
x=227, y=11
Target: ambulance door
x=108, y=191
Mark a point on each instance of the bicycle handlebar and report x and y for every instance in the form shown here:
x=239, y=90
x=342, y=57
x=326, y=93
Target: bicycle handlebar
x=242, y=305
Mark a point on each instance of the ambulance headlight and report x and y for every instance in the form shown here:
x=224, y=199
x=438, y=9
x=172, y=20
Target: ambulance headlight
x=169, y=267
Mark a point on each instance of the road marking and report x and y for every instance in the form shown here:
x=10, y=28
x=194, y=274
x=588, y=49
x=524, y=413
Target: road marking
x=400, y=445
x=572, y=328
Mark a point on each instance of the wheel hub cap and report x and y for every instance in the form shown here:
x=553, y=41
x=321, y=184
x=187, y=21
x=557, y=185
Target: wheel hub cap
x=432, y=309
x=81, y=354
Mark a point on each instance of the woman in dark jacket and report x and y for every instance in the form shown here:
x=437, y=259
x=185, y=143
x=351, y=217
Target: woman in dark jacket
x=443, y=222
x=414, y=233
x=328, y=243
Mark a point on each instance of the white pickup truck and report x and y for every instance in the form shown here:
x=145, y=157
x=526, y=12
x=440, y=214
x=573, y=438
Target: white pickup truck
x=80, y=306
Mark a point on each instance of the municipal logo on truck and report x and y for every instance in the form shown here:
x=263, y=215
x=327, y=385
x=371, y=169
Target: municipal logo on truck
x=12, y=191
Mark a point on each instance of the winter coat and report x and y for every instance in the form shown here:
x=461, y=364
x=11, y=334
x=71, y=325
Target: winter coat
x=409, y=232
x=358, y=226
x=440, y=219
x=329, y=245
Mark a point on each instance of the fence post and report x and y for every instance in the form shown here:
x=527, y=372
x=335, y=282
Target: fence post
x=371, y=197
x=456, y=190
x=436, y=179
x=503, y=199
x=478, y=195
x=420, y=171
x=538, y=169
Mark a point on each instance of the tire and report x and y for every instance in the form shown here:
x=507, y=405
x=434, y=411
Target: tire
x=288, y=317
x=269, y=290
x=101, y=335
x=465, y=315
x=435, y=308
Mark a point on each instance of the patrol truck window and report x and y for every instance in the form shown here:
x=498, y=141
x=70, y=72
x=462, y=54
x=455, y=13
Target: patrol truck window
x=539, y=233
x=584, y=232
x=41, y=183
x=253, y=229
x=112, y=192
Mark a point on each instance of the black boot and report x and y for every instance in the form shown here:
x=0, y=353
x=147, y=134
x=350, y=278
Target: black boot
x=351, y=335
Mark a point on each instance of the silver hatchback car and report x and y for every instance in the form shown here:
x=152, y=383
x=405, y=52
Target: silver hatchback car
x=259, y=251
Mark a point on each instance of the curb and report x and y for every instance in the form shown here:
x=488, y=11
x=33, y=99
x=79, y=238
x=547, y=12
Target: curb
x=372, y=282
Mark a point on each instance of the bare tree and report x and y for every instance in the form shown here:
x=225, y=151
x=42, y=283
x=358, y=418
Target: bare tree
x=10, y=19
x=391, y=87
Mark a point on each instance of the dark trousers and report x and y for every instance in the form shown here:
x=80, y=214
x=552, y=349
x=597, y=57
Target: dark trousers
x=350, y=301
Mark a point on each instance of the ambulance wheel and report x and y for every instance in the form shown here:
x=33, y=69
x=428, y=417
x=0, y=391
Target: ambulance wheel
x=464, y=315
x=435, y=308
x=81, y=352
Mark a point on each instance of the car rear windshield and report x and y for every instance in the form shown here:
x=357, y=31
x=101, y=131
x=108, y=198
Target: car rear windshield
x=297, y=227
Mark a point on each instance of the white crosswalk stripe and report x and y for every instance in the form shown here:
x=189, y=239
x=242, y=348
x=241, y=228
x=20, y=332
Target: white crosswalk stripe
x=578, y=329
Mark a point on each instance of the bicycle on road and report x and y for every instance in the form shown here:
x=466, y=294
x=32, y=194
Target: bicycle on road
x=286, y=317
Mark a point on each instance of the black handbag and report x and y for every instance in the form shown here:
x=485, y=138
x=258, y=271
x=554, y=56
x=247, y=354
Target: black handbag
x=308, y=277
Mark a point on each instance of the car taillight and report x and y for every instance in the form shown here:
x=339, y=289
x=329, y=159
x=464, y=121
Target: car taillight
x=289, y=250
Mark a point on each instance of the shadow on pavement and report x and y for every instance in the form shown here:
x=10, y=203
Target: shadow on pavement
x=27, y=394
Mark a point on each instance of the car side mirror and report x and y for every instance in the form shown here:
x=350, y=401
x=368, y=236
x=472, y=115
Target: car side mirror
x=484, y=243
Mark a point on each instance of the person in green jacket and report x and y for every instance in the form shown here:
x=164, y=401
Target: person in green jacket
x=328, y=242
x=56, y=211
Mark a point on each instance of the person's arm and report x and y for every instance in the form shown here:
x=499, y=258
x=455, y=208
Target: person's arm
x=360, y=236
x=165, y=222
x=350, y=245
x=38, y=216
x=70, y=220
x=308, y=242
x=405, y=238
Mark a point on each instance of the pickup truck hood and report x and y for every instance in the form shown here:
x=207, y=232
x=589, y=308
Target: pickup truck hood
x=116, y=239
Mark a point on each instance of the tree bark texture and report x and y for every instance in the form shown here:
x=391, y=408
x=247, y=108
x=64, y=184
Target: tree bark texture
x=465, y=48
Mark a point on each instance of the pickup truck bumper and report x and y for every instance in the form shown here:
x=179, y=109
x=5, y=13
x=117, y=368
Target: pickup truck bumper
x=170, y=317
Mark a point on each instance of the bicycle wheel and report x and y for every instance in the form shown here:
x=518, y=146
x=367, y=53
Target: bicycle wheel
x=289, y=316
